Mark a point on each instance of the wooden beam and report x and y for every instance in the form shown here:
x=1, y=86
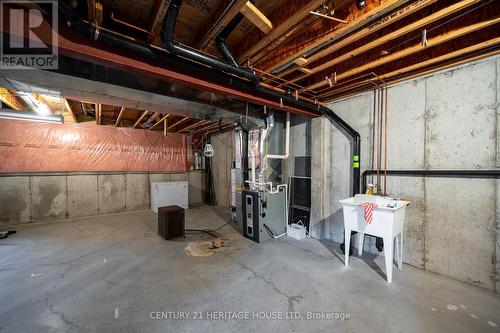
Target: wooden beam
x=177, y=123
x=420, y=74
x=221, y=24
x=435, y=41
x=301, y=61
x=106, y=56
x=448, y=56
x=379, y=24
x=91, y=10
x=143, y=115
x=280, y=30
x=98, y=14
x=98, y=108
x=159, y=121
x=224, y=128
x=393, y=35
x=156, y=17
x=10, y=99
x=453, y=64
x=339, y=33
x=495, y=42
x=208, y=127
x=69, y=110
x=197, y=124
x=120, y=115
x=254, y=15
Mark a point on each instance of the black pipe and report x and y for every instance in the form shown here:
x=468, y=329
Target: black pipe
x=356, y=145
x=427, y=173
x=167, y=39
x=194, y=67
x=221, y=43
x=437, y=173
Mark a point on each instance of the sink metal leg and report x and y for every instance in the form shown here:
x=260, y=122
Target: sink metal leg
x=389, y=257
x=347, y=242
x=400, y=259
x=397, y=249
x=361, y=240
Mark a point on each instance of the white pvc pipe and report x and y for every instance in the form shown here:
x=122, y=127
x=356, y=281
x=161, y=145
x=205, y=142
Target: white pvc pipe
x=287, y=142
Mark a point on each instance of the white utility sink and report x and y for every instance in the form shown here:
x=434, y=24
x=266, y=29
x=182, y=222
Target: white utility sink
x=388, y=223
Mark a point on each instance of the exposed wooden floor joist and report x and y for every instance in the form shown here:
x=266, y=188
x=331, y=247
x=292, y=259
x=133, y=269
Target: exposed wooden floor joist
x=336, y=34
x=384, y=39
x=435, y=41
x=382, y=23
x=492, y=43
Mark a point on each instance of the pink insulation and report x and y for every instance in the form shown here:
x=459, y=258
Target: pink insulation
x=27, y=146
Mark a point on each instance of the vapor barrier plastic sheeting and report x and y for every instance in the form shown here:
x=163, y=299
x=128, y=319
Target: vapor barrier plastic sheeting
x=27, y=146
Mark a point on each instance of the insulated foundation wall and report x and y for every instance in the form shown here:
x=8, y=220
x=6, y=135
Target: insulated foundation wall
x=58, y=171
x=449, y=120
x=28, y=146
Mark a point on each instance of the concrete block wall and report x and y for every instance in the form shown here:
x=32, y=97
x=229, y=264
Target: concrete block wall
x=449, y=120
x=45, y=197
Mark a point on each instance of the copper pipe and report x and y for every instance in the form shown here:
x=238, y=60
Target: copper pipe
x=112, y=31
x=379, y=145
x=381, y=124
x=385, y=143
x=285, y=82
x=328, y=17
x=130, y=25
x=323, y=92
x=376, y=129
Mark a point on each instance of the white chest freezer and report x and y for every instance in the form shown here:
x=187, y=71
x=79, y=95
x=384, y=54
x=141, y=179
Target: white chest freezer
x=169, y=193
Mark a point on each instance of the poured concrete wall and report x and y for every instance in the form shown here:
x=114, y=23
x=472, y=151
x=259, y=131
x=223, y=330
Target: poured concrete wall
x=449, y=120
x=300, y=141
x=36, y=198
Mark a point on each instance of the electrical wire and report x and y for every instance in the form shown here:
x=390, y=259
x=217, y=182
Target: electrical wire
x=222, y=226
x=197, y=231
x=209, y=231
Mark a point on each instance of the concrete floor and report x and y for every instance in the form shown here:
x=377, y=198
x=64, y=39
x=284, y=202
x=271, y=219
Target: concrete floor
x=109, y=273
